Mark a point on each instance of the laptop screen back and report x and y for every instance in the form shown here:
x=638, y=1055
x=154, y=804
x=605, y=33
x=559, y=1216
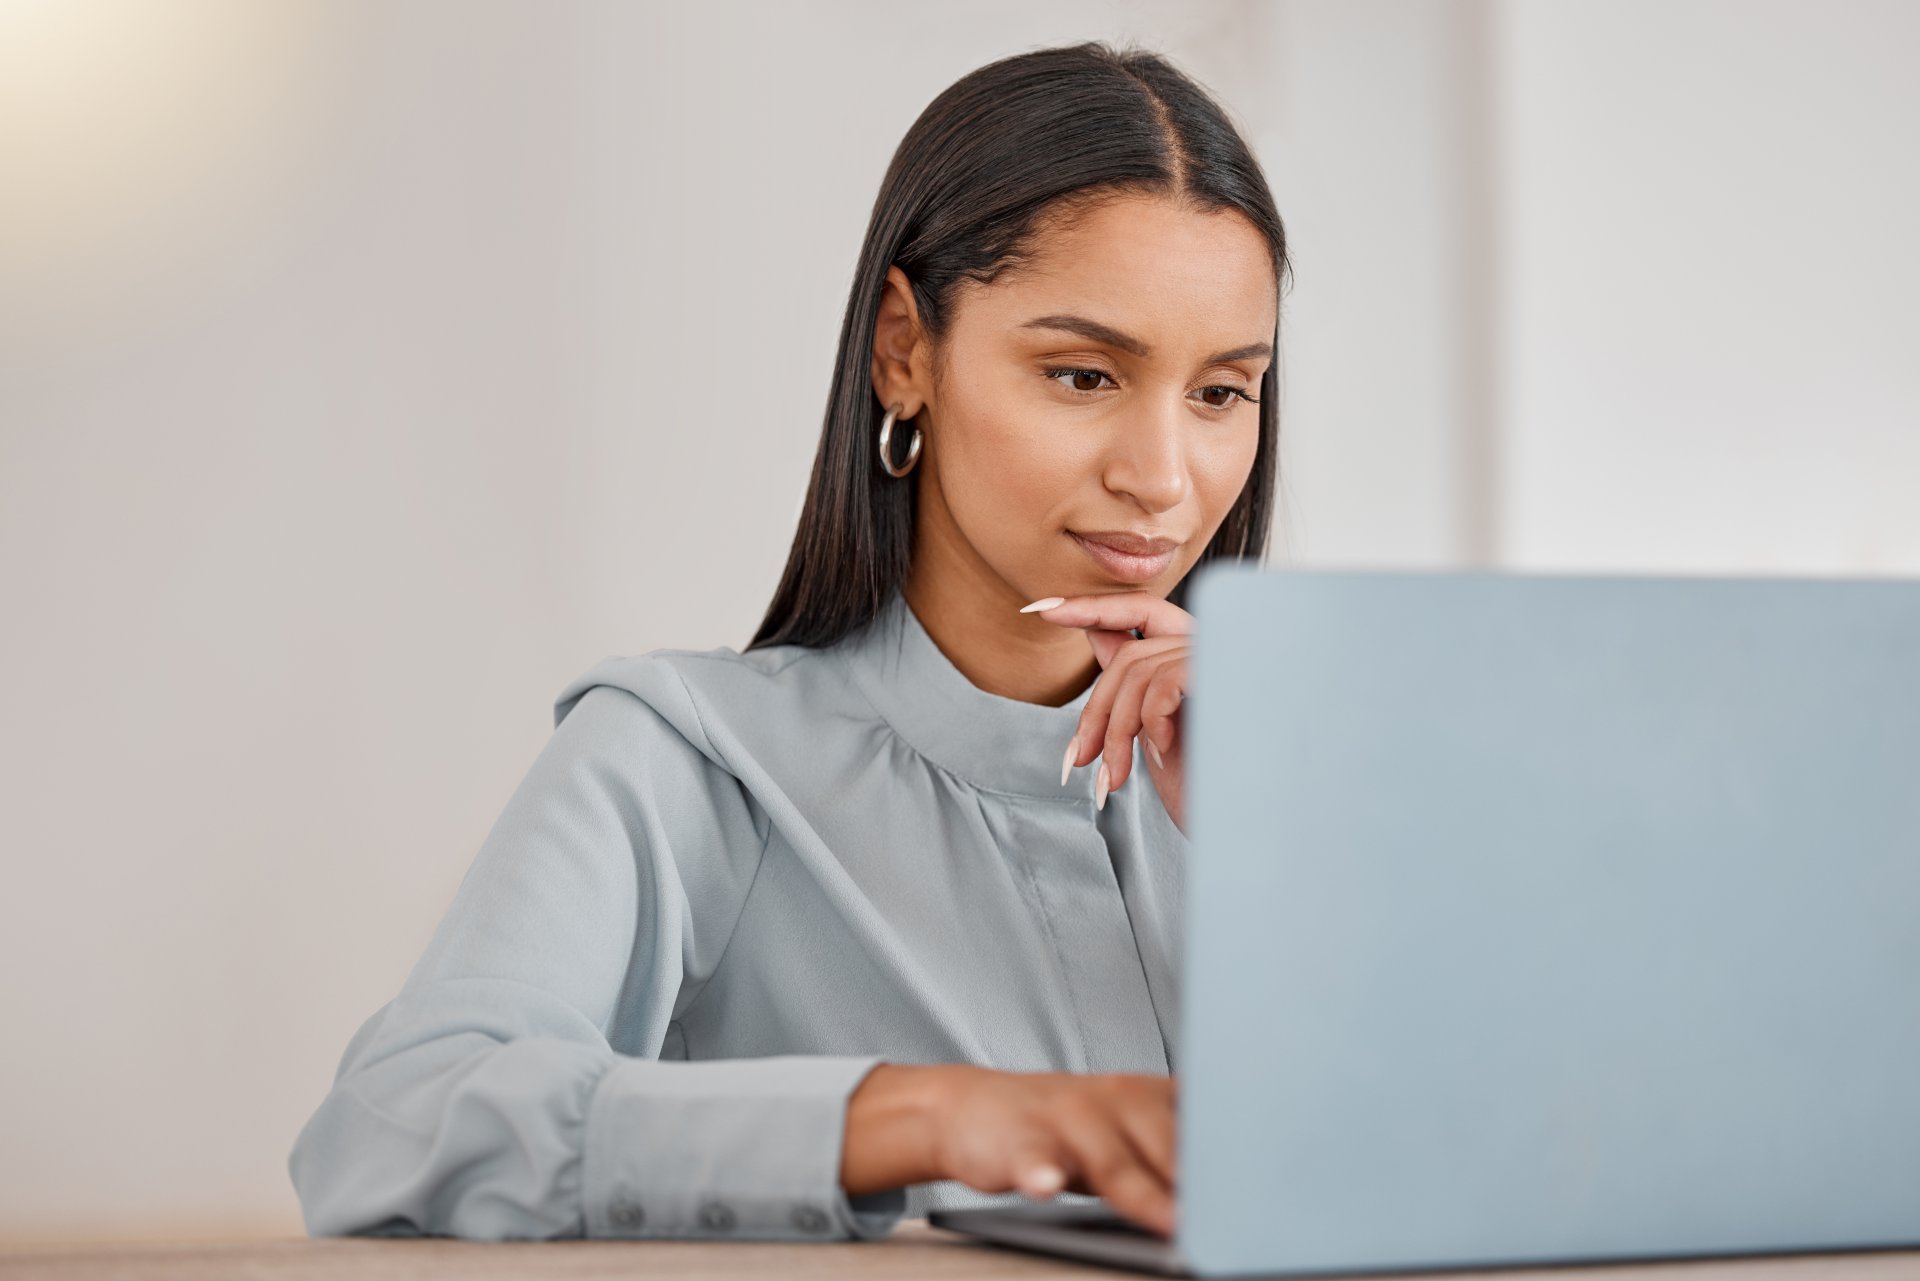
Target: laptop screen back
x=1540, y=918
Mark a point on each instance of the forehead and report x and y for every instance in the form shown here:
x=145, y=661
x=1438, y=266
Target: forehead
x=1182, y=279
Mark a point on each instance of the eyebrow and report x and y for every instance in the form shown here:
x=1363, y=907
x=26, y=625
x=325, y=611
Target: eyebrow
x=1126, y=342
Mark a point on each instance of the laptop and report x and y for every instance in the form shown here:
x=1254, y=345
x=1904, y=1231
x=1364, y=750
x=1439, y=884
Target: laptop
x=1539, y=919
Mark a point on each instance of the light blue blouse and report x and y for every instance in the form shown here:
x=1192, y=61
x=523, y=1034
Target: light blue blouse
x=728, y=886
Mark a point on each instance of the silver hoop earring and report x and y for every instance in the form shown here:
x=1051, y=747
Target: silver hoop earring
x=886, y=442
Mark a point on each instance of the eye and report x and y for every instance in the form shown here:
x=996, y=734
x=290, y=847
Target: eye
x=1073, y=381
x=1231, y=392
x=1073, y=384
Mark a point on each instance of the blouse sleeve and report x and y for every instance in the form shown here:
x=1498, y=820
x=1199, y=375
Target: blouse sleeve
x=486, y=1100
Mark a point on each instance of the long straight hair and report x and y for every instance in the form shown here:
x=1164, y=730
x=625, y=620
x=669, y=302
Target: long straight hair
x=1017, y=141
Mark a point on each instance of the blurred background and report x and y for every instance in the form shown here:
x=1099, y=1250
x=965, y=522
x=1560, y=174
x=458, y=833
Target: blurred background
x=370, y=369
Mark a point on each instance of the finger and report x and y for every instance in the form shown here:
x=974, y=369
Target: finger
x=1137, y=1193
x=1124, y=721
x=1160, y=711
x=1039, y=1170
x=1150, y=1127
x=1121, y=612
x=1092, y=728
x=1106, y=644
x=1113, y=1170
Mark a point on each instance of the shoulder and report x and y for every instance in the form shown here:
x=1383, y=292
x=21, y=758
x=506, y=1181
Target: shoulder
x=707, y=695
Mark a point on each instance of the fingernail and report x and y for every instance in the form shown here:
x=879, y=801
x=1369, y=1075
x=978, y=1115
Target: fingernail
x=1044, y=1180
x=1066, y=762
x=1100, y=788
x=1045, y=602
x=1153, y=751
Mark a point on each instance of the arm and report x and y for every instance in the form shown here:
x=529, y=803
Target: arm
x=486, y=1101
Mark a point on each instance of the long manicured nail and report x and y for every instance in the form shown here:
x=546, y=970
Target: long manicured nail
x=1100, y=788
x=1045, y=602
x=1153, y=751
x=1066, y=762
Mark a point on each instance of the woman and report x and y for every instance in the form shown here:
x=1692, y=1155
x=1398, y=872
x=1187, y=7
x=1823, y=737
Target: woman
x=793, y=941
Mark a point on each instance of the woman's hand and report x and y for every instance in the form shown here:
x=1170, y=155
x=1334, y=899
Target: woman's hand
x=1109, y=1135
x=1140, y=691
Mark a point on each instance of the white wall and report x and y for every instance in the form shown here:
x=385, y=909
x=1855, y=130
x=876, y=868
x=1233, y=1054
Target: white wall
x=1368, y=117
x=368, y=370
x=1707, y=325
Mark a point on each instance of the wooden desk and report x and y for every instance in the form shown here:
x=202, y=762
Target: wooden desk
x=914, y=1250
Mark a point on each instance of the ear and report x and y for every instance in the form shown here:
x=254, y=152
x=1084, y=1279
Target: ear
x=902, y=357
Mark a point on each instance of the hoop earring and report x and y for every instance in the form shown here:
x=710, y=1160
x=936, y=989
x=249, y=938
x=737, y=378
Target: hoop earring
x=886, y=441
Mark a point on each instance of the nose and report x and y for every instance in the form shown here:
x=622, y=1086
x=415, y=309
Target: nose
x=1147, y=455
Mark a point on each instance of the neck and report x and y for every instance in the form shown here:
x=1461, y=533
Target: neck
x=974, y=616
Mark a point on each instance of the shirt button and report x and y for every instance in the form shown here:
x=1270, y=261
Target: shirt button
x=809, y=1218
x=628, y=1214
x=715, y=1217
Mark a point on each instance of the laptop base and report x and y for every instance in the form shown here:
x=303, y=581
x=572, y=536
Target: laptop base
x=1090, y=1232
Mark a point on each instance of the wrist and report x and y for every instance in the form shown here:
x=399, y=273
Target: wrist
x=893, y=1119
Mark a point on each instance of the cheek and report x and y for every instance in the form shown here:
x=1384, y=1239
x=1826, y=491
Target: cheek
x=1220, y=469
x=1007, y=475
x=1011, y=476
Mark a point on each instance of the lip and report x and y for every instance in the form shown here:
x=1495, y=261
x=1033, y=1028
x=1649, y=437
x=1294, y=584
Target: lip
x=1127, y=557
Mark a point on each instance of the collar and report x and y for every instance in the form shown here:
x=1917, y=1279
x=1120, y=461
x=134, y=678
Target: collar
x=997, y=743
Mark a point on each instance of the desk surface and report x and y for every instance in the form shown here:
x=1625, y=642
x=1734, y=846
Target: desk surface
x=914, y=1250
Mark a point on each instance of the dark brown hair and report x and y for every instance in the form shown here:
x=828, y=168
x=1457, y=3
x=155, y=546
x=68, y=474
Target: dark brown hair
x=1004, y=151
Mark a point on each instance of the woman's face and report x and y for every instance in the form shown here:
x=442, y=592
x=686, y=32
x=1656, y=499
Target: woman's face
x=1105, y=389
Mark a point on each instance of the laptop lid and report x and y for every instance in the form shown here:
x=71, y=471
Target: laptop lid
x=1549, y=918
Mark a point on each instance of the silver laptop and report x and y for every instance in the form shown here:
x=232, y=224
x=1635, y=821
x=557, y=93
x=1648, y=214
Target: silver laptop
x=1540, y=919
